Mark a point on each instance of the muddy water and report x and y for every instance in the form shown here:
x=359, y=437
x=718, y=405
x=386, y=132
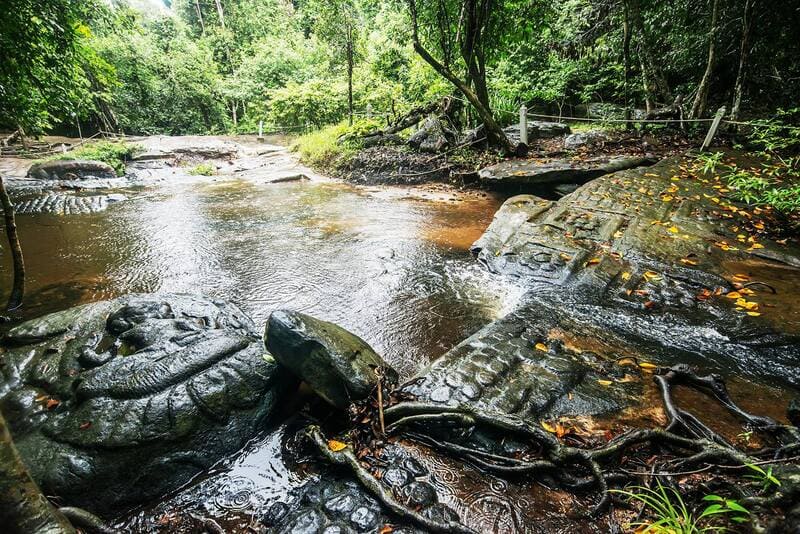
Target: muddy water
x=391, y=264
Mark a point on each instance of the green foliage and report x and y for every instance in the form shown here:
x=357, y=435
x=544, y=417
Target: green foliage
x=779, y=134
x=765, y=478
x=671, y=515
x=114, y=153
x=49, y=70
x=203, y=169
x=311, y=103
x=321, y=148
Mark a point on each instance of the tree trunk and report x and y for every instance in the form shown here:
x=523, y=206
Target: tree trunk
x=744, y=53
x=479, y=98
x=18, y=286
x=700, y=100
x=220, y=13
x=655, y=84
x=23, y=508
x=200, y=17
x=350, y=66
x=626, y=60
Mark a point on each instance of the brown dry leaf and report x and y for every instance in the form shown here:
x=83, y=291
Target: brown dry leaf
x=741, y=278
x=704, y=295
x=85, y=425
x=386, y=529
x=52, y=403
x=649, y=304
x=336, y=446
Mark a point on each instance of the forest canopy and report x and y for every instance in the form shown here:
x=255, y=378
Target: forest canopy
x=215, y=66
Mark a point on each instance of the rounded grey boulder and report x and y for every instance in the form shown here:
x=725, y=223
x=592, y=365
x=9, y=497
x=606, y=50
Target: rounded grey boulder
x=71, y=170
x=116, y=402
x=338, y=365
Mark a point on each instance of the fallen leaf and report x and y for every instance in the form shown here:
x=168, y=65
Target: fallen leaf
x=85, y=425
x=336, y=446
x=605, y=383
x=741, y=278
x=673, y=229
x=733, y=295
x=687, y=261
x=626, y=275
x=593, y=261
x=386, y=529
x=541, y=346
x=52, y=403
x=753, y=314
x=647, y=365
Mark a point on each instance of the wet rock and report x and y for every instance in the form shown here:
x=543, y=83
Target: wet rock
x=537, y=173
x=537, y=130
x=67, y=204
x=339, y=366
x=334, y=502
x=608, y=258
x=133, y=397
x=71, y=170
x=580, y=139
x=433, y=136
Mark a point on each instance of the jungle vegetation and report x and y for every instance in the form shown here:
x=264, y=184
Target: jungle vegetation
x=217, y=66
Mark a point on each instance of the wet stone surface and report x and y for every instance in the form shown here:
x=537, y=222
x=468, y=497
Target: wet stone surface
x=337, y=503
x=640, y=258
x=67, y=204
x=114, y=402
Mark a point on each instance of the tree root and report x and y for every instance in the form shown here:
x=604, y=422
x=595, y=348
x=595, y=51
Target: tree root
x=86, y=521
x=347, y=458
x=684, y=436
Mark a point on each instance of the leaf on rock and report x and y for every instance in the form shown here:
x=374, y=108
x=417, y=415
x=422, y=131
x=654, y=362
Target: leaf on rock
x=336, y=446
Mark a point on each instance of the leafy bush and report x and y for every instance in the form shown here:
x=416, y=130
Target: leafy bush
x=114, y=153
x=780, y=134
x=322, y=149
x=317, y=103
x=203, y=169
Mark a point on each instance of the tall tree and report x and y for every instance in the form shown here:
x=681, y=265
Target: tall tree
x=337, y=22
x=744, y=54
x=655, y=83
x=469, y=29
x=701, y=98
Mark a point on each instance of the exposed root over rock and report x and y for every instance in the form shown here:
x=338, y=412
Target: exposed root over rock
x=685, y=443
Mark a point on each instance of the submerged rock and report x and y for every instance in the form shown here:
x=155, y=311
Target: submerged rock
x=66, y=204
x=535, y=172
x=71, y=170
x=339, y=366
x=115, y=402
x=646, y=258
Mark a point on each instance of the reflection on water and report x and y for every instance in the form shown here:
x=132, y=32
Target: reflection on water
x=390, y=264
x=391, y=267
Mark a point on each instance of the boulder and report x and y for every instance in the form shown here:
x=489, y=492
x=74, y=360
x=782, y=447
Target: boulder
x=71, y=170
x=537, y=172
x=434, y=136
x=580, y=139
x=338, y=365
x=537, y=130
x=116, y=402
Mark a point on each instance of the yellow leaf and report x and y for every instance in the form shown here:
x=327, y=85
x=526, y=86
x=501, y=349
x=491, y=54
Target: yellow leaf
x=647, y=365
x=336, y=446
x=626, y=275
x=605, y=383
x=734, y=295
x=593, y=261
x=674, y=229
x=753, y=314
x=541, y=346
x=651, y=276
x=756, y=245
x=547, y=426
x=687, y=261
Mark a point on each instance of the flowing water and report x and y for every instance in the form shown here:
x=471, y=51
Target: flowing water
x=390, y=264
